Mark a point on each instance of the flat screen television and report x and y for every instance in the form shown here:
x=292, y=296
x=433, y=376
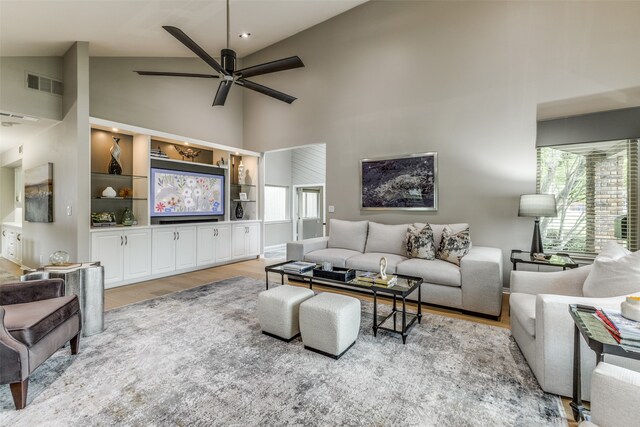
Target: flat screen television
x=182, y=194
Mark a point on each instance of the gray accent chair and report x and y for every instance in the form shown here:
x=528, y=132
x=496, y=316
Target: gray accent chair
x=475, y=286
x=36, y=319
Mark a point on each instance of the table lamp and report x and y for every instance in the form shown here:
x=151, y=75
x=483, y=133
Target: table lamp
x=537, y=206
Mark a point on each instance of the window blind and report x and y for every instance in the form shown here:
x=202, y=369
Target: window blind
x=596, y=189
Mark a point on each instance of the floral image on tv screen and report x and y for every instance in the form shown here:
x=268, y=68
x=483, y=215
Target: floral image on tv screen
x=177, y=193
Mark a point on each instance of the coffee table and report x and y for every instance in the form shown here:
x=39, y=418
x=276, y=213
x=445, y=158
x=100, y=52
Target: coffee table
x=403, y=321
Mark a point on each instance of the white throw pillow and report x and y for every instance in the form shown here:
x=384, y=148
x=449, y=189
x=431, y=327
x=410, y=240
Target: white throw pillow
x=615, y=272
x=389, y=239
x=348, y=234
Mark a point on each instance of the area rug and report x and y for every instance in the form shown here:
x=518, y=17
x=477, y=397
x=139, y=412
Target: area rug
x=197, y=357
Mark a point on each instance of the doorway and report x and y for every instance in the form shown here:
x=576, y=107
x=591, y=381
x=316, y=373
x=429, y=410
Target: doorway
x=309, y=212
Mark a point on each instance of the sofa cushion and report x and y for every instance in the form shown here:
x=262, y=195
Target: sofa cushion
x=432, y=271
x=438, y=228
x=30, y=322
x=523, y=307
x=454, y=245
x=371, y=261
x=615, y=272
x=389, y=239
x=420, y=242
x=348, y=234
x=335, y=256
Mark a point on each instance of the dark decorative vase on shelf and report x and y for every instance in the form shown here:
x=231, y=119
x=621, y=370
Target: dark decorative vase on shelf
x=115, y=167
x=127, y=217
x=239, y=211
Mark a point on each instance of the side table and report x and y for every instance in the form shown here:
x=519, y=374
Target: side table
x=599, y=340
x=555, y=260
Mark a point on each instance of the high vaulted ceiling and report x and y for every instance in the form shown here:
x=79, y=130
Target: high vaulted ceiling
x=134, y=28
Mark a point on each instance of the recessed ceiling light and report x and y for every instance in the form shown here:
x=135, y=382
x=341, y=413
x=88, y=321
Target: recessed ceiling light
x=244, y=35
x=114, y=129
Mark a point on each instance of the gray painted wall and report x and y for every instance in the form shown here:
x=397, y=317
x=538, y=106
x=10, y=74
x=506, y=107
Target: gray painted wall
x=14, y=95
x=278, y=171
x=66, y=145
x=181, y=106
x=464, y=79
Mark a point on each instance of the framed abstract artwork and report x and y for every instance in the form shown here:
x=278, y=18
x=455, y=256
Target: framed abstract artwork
x=38, y=193
x=408, y=182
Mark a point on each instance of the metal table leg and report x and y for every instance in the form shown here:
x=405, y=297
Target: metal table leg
x=576, y=403
x=419, y=303
x=404, y=320
x=267, y=280
x=375, y=313
x=394, y=312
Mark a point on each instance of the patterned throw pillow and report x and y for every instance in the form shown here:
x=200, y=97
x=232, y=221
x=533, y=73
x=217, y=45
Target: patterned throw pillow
x=420, y=242
x=454, y=245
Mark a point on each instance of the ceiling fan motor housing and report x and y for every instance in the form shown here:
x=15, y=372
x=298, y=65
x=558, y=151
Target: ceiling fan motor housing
x=228, y=57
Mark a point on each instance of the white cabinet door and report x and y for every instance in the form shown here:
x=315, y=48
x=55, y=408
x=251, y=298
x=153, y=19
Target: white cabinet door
x=186, y=246
x=137, y=253
x=238, y=241
x=252, y=240
x=206, y=244
x=223, y=243
x=108, y=248
x=163, y=250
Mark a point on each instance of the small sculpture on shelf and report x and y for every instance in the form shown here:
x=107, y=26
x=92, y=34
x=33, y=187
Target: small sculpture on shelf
x=241, y=173
x=188, y=153
x=125, y=192
x=115, y=167
x=109, y=192
x=239, y=211
x=127, y=217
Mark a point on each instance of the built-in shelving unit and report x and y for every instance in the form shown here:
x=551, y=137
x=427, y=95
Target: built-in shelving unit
x=145, y=251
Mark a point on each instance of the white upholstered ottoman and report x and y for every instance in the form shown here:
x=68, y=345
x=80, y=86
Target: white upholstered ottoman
x=329, y=323
x=278, y=311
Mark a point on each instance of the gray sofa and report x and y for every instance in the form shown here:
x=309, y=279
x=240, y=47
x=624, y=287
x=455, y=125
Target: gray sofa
x=475, y=286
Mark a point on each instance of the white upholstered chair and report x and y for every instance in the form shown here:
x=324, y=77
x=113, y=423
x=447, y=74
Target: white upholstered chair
x=615, y=393
x=541, y=324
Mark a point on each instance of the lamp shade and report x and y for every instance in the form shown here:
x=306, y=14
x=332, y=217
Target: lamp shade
x=537, y=205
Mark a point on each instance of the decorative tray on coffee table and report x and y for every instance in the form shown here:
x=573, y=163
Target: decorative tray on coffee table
x=338, y=273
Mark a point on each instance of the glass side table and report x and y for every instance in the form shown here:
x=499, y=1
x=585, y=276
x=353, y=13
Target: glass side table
x=555, y=260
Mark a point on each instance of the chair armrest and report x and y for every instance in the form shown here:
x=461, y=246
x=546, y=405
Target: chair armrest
x=14, y=356
x=554, y=342
x=615, y=393
x=297, y=250
x=481, y=280
x=35, y=290
x=568, y=282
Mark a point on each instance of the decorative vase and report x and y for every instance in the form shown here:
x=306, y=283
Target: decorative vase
x=241, y=173
x=115, y=167
x=109, y=192
x=239, y=211
x=59, y=258
x=127, y=217
x=631, y=308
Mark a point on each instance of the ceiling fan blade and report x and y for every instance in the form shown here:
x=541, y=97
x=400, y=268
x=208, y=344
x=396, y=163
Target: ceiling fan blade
x=170, y=74
x=266, y=91
x=270, y=67
x=193, y=46
x=223, y=91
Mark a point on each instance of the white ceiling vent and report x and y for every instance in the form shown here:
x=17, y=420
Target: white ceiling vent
x=43, y=84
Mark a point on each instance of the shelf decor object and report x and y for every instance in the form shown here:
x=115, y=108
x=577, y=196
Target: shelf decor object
x=59, y=258
x=408, y=182
x=127, y=217
x=115, y=167
x=537, y=206
x=239, y=211
x=109, y=192
x=38, y=193
x=241, y=173
x=103, y=219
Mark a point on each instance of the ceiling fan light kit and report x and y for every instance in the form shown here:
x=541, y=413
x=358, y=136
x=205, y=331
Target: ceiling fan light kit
x=227, y=69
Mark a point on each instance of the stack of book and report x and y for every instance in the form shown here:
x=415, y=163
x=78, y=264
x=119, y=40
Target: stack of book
x=157, y=152
x=299, y=267
x=625, y=331
x=375, y=278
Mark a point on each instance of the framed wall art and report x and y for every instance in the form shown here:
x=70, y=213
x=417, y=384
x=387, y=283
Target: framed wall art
x=38, y=193
x=408, y=182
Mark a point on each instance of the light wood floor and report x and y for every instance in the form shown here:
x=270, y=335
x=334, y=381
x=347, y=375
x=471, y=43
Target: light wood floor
x=130, y=294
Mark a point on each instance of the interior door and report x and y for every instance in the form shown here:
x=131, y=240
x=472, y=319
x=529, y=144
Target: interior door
x=310, y=213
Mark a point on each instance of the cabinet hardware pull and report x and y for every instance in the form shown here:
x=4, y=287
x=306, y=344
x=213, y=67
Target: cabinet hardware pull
x=174, y=235
x=18, y=237
x=121, y=241
x=178, y=235
x=126, y=240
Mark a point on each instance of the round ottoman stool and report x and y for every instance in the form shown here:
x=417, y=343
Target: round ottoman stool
x=329, y=323
x=278, y=311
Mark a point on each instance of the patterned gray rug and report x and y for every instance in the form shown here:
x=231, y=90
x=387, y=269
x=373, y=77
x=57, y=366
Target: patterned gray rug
x=197, y=357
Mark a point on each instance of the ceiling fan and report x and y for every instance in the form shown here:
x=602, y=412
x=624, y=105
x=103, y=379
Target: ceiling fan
x=227, y=70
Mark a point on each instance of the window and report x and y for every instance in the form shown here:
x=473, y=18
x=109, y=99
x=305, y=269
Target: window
x=275, y=203
x=310, y=204
x=596, y=189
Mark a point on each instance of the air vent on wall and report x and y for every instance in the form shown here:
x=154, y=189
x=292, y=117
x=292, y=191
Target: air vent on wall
x=18, y=116
x=44, y=84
